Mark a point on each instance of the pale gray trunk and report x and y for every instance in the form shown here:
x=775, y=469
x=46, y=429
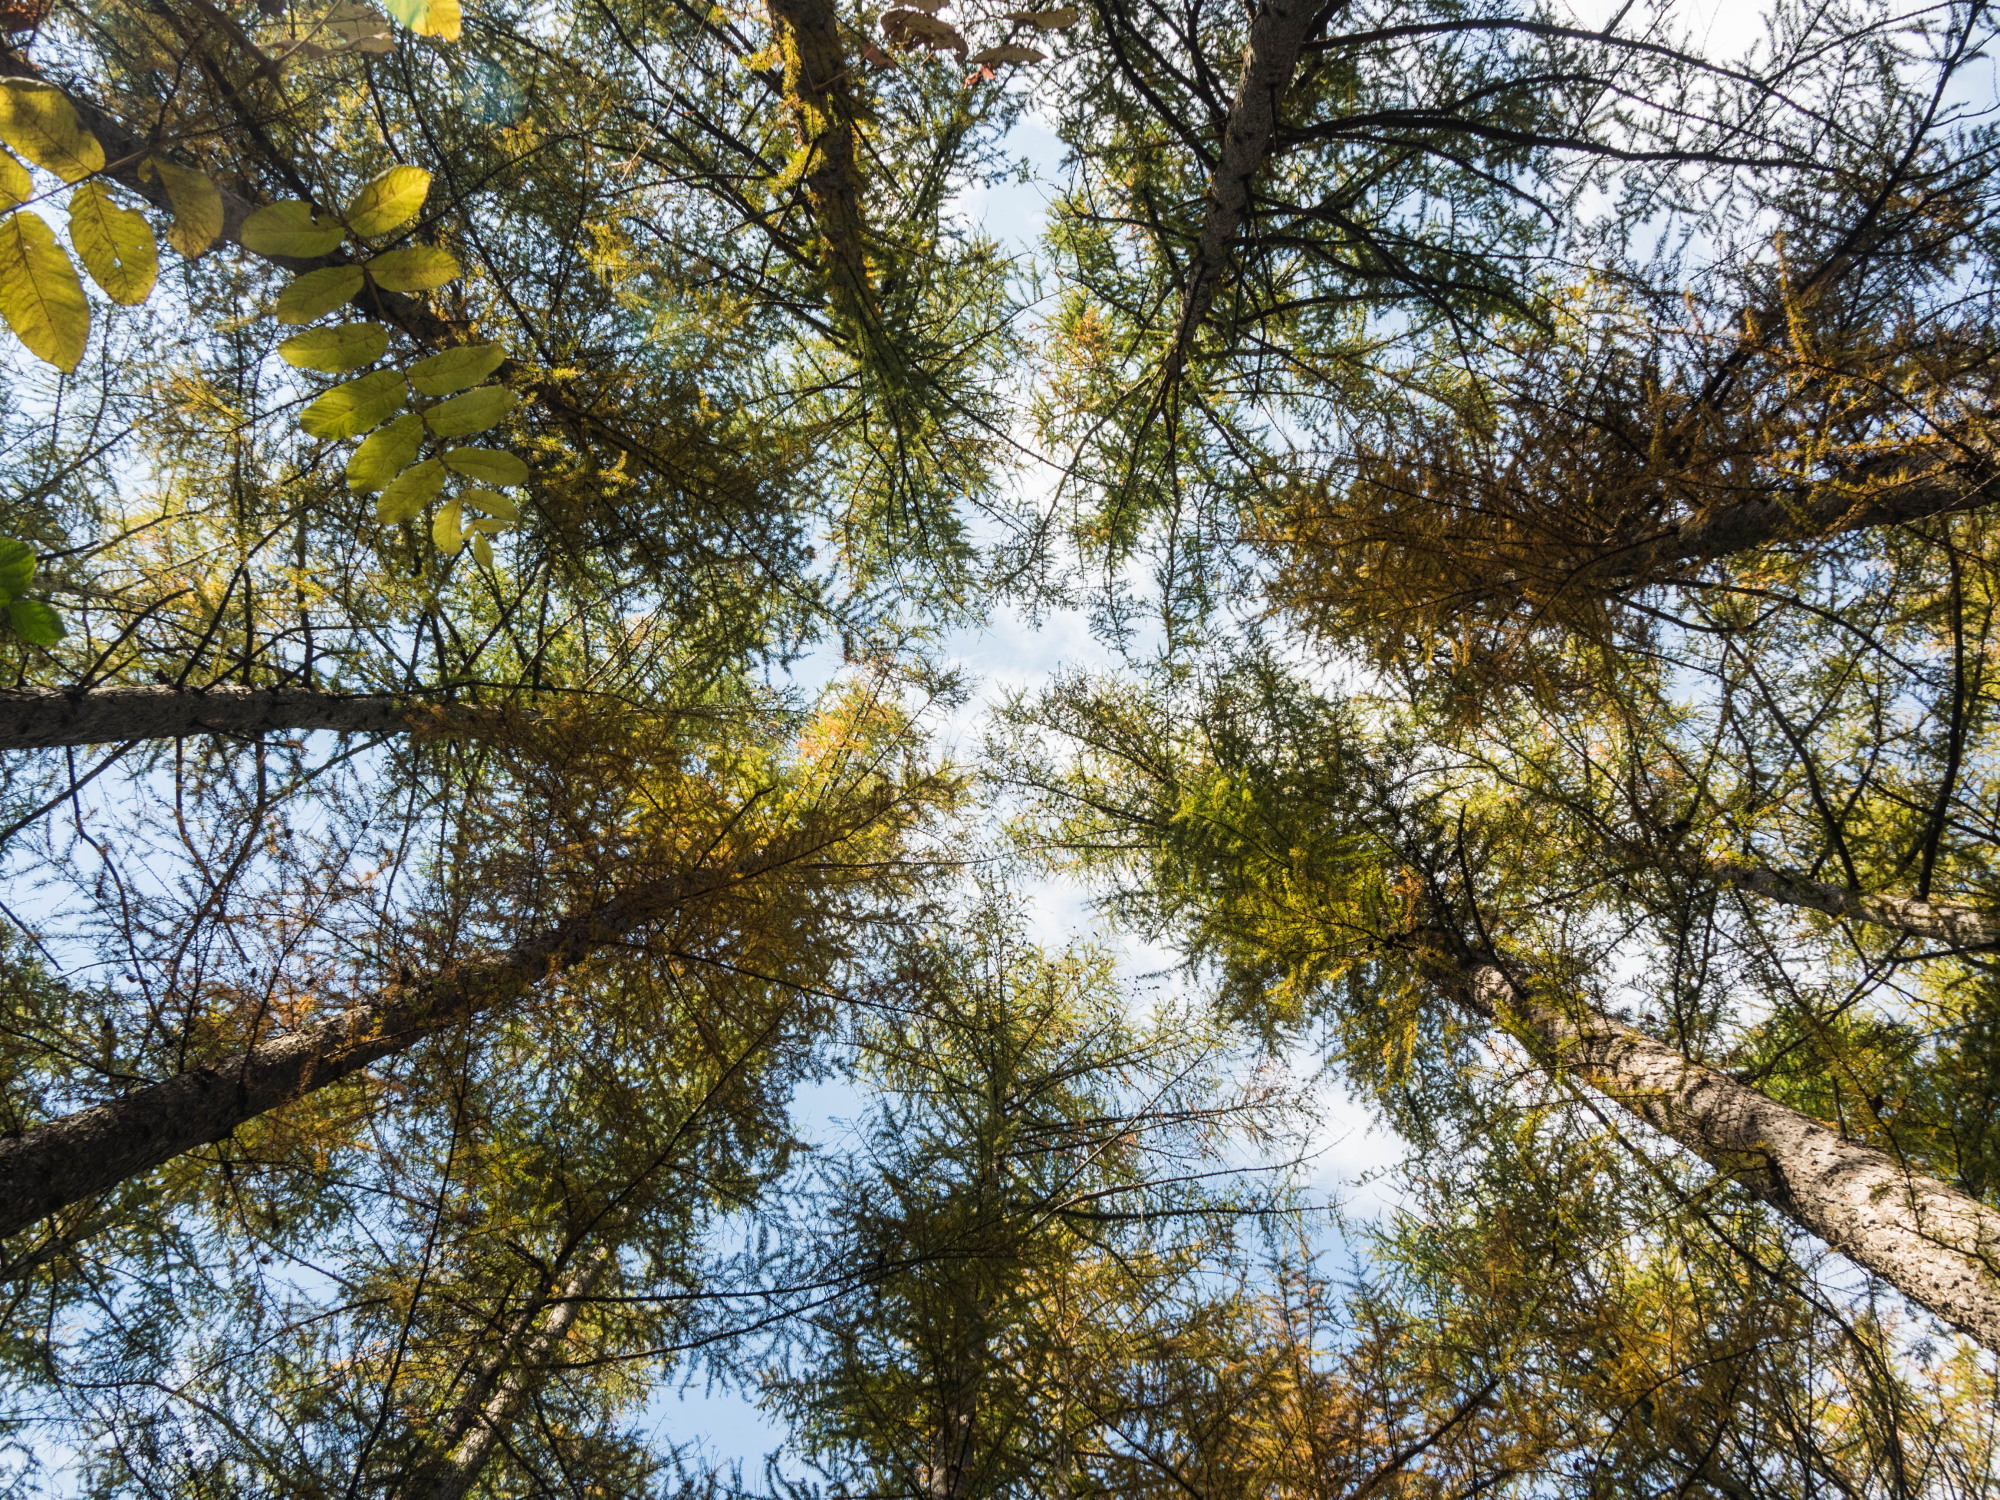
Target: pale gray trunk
x=66, y=1160
x=504, y=1384
x=1278, y=32
x=1950, y=922
x=1938, y=1246
x=38, y=718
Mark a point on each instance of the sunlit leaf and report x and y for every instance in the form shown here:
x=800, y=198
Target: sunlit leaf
x=17, y=567
x=489, y=465
x=385, y=454
x=197, y=205
x=455, y=369
x=115, y=244
x=348, y=346
x=445, y=530
x=491, y=501
x=35, y=622
x=37, y=121
x=290, y=229
x=482, y=550
x=317, y=293
x=410, y=491
x=353, y=408
x=389, y=201
x=40, y=296
x=438, y=18
x=475, y=411
x=416, y=269
x=16, y=186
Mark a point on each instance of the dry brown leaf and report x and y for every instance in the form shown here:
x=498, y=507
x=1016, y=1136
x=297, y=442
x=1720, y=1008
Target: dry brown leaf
x=1012, y=52
x=1047, y=20
x=912, y=28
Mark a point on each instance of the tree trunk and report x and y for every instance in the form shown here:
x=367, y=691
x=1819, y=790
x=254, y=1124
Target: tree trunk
x=1936, y=1245
x=1278, y=32
x=463, y=1448
x=38, y=718
x=1950, y=922
x=66, y=1160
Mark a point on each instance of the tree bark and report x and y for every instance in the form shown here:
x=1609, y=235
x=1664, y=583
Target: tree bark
x=66, y=1160
x=1950, y=922
x=1938, y=1246
x=1278, y=32
x=38, y=718
x=462, y=1450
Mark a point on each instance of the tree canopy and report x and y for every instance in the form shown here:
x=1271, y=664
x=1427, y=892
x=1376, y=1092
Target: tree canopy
x=515, y=906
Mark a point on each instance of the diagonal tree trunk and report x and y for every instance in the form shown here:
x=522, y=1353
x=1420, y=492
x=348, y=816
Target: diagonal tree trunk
x=37, y=718
x=1950, y=922
x=1938, y=1246
x=68, y=1159
x=1278, y=32
x=461, y=1451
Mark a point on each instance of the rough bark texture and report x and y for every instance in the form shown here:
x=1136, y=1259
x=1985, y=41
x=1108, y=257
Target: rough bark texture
x=1949, y=922
x=32, y=718
x=66, y=1160
x=1938, y=1246
x=504, y=1384
x=823, y=109
x=1278, y=32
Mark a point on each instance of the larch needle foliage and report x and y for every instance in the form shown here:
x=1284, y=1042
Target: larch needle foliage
x=492, y=932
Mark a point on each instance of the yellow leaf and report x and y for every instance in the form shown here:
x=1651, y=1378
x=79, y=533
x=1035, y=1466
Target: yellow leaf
x=356, y=406
x=490, y=501
x=482, y=550
x=489, y=465
x=115, y=244
x=445, y=530
x=475, y=411
x=16, y=186
x=389, y=201
x=37, y=121
x=40, y=297
x=410, y=491
x=417, y=269
x=346, y=346
x=455, y=369
x=290, y=229
x=438, y=18
x=317, y=293
x=388, y=451
x=197, y=206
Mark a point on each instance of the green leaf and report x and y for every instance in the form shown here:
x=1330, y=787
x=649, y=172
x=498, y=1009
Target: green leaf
x=40, y=297
x=410, y=491
x=197, y=205
x=346, y=346
x=115, y=244
x=475, y=411
x=16, y=186
x=489, y=465
x=385, y=454
x=482, y=550
x=455, y=369
x=446, y=531
x=290, y=229
x=37, y=121
x=353, y=408
x=389, y=201
x=35, y=622
x=490, y=501
x=417, y=269
x=17, y=567
x=317, y=293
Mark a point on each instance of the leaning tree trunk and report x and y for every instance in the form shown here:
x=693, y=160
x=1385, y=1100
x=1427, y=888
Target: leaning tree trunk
x=39, y=718
x=461, y=1451
x=60, y=1163
x=1950, y=922
x=1938, y=1246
